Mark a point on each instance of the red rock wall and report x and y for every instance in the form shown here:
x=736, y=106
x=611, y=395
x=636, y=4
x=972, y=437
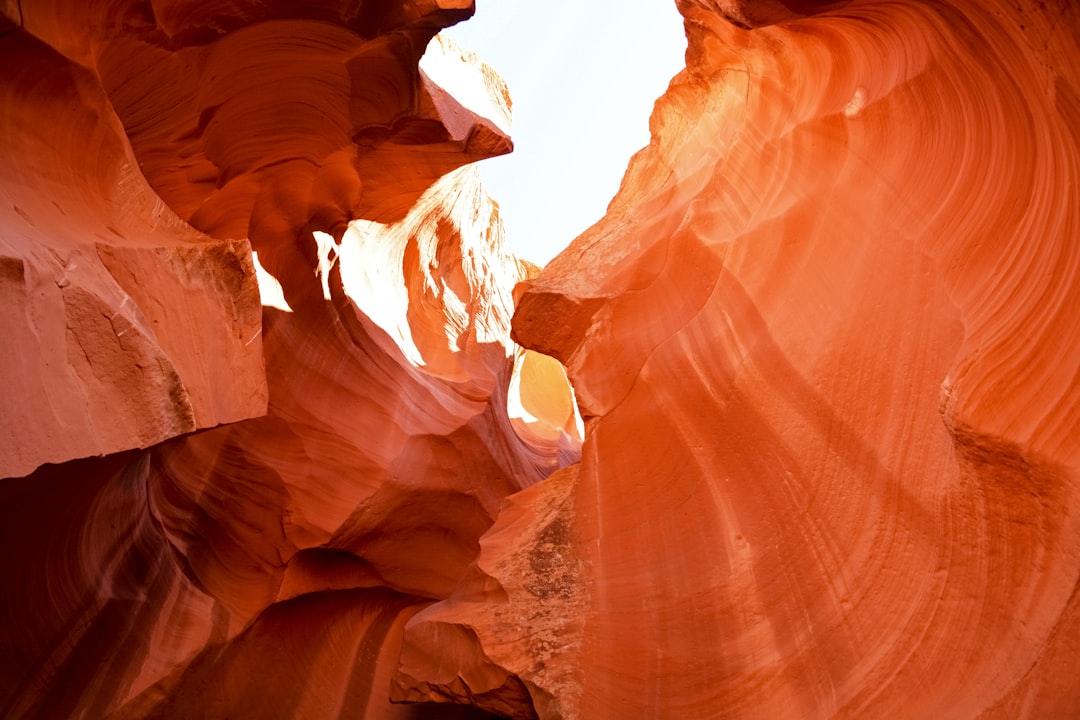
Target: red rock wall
x=824, y=342
x=121, y=323
x=263, y=568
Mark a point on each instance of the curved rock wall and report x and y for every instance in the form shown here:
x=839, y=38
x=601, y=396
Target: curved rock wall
x=121, y=323
x=824, y=345
x=262, y=568
x=831, y=469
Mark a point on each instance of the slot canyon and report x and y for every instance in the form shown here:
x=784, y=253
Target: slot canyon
x=286, y=431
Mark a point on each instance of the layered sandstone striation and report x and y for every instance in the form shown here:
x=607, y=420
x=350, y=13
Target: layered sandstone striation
x=824, y=344
x=123, y=326
x=359, y=427
x=255, y=122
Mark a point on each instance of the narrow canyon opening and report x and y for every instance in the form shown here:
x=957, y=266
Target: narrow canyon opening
x=583, y=77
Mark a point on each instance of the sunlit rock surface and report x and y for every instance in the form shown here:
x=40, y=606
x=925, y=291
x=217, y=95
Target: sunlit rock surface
x=825, y=344
x=264, y=568
x=123, y=121
x=827, y=347
x=122, y=326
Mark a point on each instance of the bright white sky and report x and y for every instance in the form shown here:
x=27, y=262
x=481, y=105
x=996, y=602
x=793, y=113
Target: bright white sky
x=584, y=75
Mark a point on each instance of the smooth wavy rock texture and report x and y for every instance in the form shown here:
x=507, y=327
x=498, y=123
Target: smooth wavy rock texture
x=824, y=344
x=827, y=347
x=250, y=121
x=122, y=326
x=372, y=410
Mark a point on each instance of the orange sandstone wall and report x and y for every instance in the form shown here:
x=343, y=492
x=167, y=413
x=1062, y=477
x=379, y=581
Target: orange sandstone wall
x=358, y=426
x=122, y=326
x=825, y=345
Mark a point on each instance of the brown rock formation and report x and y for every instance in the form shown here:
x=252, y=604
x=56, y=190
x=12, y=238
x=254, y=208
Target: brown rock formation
x=176, y=93
x=824, y=342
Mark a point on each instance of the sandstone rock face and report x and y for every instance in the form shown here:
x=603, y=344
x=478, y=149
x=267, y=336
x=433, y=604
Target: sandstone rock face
x=122, y=325
x=264, y=568
x=176, y=95
x=824, y=345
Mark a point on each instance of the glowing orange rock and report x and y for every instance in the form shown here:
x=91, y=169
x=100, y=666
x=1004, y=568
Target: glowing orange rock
x=388, y=435
x=216, y=574
x=826, y=346
x=122, y=326
x=259, y=121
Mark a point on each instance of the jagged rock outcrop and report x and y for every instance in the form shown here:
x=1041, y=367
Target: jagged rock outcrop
x=825, y=343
